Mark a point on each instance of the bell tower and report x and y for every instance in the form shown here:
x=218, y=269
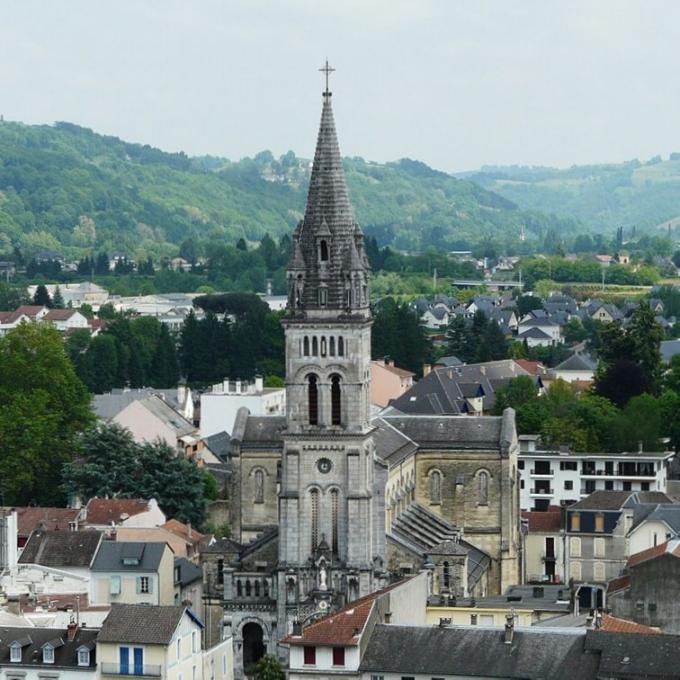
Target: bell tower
x=331, y=500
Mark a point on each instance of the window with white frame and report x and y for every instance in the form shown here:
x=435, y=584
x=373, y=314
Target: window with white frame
x=599, y=547
x=83, y=656
x=598, y=571
x=576, y=571
x=575, y=546
x=179, y=648
x=48, y=654
x=143, y=584
x=15, y=652
x=114, y=585
x=193, y=641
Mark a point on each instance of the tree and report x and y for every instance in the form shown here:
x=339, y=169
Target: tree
x=58, y=299
x=164, y=365
x=646, y=335
x=44, y=407
x=42, y=297
x=527, y=303
x=188, y=250
x=241, y=244
x=518, y=392
x=101, y=364
x=269, y=668
x=110, y=463
x=459, y=338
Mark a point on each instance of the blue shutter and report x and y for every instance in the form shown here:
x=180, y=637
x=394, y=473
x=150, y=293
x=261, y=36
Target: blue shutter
x=124, y=656
x=139, y=661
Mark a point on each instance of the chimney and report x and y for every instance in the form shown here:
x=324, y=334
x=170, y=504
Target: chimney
x=259, y=384
x=509, y=628
x=640, y=447
x=181, y=394
x=71, y=631
x=427, y=368
x=388, y=617
x=482, y=370
x=238, y=386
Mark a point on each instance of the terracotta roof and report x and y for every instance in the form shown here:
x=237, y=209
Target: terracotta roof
x=49, y=519
x=533, y=367
x=343, y=627
x=612, y=624
x=671, y=547
x=189, y=534
x=109, y=511
x=28, y=310
x=401, y=372
x=617, y=584
x=97, y=323
x=548, y=521
x=59, y=314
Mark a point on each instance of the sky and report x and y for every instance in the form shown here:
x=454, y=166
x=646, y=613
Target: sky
x=456, y=84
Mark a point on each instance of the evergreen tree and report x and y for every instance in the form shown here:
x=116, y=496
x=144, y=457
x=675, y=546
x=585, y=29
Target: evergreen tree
x=459, y=339
x=242, y=245
x=269, y=668
x=58, y=299
x=101, y=364
x=42, y=297
x=164, y=366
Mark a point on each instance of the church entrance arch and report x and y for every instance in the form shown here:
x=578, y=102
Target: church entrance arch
x=253, y=645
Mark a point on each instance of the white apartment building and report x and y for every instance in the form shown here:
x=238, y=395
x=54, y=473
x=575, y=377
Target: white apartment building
x=221, y=403
x=564, y=477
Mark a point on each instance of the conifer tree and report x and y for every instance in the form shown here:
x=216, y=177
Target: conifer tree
x=42, y=297
x=58, y=299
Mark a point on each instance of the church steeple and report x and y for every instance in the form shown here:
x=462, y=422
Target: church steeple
x=328, y=241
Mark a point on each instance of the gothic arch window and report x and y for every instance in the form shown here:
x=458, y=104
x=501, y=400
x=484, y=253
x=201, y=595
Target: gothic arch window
x=435, y=486
x=341, y=346
x=334, y=521
x=315, y=347
x=258, y=476
x=257, y=589
x=314, y=498
x=483, y=488
x=323, y=251
x=336, y=400
x=312, y=400
x=331, y=346
x=324, y=346
x=249, y=588
x=305, y=346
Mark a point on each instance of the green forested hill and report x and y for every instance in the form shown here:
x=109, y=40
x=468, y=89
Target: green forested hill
x=603, y=197
x=63, y=185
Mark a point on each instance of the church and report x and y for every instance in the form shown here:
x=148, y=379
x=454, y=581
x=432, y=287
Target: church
x=310, y=530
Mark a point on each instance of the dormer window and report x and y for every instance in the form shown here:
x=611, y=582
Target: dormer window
x=323, y=251
x=83, y=656
x=48, y=653
x=15, y=652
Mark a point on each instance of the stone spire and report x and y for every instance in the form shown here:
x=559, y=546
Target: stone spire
x=328, y=240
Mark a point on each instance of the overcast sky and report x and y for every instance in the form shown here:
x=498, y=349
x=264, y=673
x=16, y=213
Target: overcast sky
x=452, y=83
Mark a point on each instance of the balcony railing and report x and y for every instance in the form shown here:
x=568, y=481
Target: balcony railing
x=542, y=492
x=144, y=671
x=542, y=473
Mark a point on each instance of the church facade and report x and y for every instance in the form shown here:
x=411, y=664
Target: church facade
x=310, y=530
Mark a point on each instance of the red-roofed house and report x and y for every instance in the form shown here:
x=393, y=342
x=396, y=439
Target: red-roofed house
x=544, y=545
x=10, y=320
x=612, y=624
x=333, y=645
x=66, y=319
x=105, y=513
x=44, y=519
x=649, y=590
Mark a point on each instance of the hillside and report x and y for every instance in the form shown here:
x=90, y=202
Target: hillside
x=603, y=197
x=63, y=185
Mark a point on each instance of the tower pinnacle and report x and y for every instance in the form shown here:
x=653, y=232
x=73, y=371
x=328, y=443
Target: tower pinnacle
x=327, y=70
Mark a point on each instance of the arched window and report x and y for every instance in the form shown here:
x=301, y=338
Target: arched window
x=249, y=589
x=483, y=488
x=336, y=399
x=314, y=496
x=305, y=346
x=446, y=573
x=312, y=400
x=334, y=521
x=265, y=588
x=323, y=346
x=259, y=486
x=239, y=589
x=315, y=347
x=331, y=346
x=435, y=486
x=257, y=589
x=341, y=346
x=323, y=251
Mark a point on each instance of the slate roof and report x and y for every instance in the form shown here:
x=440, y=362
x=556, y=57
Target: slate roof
x=669, y=348
x=222, y=545
x=218, y=443
x=533, y=654
x=635, y=657
x=536, y=333
x=47, y=519
x=616, y=500
x=187, y=571
x=168, y=415
x=32, y=641
x=577, y=362
x=61, y=548
x=390, y=443
x=445, y=389
x=109, y=405
x=143, y=624
x=109, y=511
x=111, y=556
x=449, y=361
x=669, y=513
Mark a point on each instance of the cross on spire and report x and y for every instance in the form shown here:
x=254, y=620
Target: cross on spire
x=327, y=70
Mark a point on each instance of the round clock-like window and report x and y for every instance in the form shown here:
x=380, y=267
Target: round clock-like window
x=324, y=465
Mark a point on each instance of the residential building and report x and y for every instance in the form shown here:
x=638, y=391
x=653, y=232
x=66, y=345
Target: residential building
x=388, y=381
x=597, y=546
x=132, y=573
x=66, y=319
x=26, y=313
x=183, y=544
x=76, y=294
x=561, y=477
x=577, y=367
x=143, y=640
x=539, y=332
x=544, y=546
x=36, y=518
x=8, y=540
x=188, y=579
x=653, y=525
x=107, y=406
x=48, y=653
x=460, y=390
x=108, y=513
x=649, y=591
x=220, y=405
